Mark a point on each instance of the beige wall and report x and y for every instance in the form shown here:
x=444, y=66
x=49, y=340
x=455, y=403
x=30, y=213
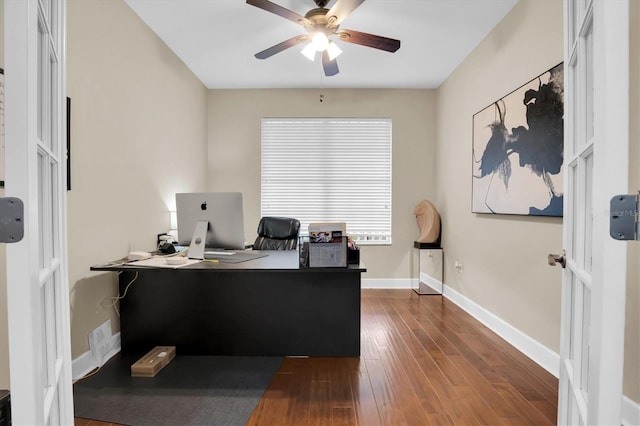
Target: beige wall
x=234, y=153
x=138, y=136
x=632, y=329
x=504, y=257
x=505, y=269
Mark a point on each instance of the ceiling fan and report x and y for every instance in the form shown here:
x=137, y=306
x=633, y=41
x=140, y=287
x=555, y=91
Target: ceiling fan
x=322, y=26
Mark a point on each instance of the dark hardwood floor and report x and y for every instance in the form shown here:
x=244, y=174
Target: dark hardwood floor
x=424, y=361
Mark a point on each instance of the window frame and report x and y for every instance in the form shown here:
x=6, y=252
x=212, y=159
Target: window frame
x=289, y=147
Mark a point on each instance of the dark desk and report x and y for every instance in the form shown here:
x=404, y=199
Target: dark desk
x=266, y=306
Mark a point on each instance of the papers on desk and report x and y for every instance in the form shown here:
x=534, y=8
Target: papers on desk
x=161, y=262
x=327, y=244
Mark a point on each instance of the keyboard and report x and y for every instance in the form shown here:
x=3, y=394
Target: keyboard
x=215, y=254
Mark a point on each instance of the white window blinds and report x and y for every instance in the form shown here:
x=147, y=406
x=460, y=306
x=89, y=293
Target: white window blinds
x=329, y=170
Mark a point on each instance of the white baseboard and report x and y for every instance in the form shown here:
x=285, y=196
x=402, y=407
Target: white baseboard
x=390, y=283
x=630, y=412
x=85, y=363
x=540, y=354
x=435, y=284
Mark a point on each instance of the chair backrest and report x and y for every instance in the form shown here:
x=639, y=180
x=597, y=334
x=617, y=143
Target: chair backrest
x=277, y=233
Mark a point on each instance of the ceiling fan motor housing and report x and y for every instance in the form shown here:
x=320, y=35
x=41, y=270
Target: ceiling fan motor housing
x=320, y=21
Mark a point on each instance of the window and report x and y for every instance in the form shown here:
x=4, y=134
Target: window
x=329, y=170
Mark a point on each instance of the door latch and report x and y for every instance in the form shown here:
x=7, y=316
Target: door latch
x=624, y=223
x=558, y=259
x=11, y=220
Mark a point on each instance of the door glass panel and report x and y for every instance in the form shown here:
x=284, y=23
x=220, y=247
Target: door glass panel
x=43, y=323
x=583, y=7
x=573, y=410
x=586, y=309
x=572, y=122
x=52, y=20
x=572, y=297
x=588, y=81
x=588, y=220
x=51, y=330
x=576, y=329
x=40, y=54
x=46, y=8
x=54, y=416
x=58, y=294
x=42, y=214
x=44, y=210
x=53, y=109
x=572, y=31
x=54, y=204
x=44, y=86
x=571, y=251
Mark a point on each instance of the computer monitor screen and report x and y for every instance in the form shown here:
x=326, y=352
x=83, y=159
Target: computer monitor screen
x=223, y=212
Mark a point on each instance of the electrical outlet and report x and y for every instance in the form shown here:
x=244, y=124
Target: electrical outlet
x=100, y=342
x=459, y=265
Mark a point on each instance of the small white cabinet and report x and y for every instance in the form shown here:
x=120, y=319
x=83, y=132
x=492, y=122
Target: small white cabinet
x=427, y=265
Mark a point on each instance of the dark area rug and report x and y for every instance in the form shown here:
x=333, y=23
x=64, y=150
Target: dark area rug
x=191, y=390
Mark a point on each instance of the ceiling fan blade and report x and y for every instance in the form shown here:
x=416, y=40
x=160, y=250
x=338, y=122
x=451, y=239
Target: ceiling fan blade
x=370, y=40
x=278, y=10
x=330, y=67
x=342, y=9
x=277, y=48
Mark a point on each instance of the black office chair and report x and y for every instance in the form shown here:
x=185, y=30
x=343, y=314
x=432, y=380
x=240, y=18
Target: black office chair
x=277, y=233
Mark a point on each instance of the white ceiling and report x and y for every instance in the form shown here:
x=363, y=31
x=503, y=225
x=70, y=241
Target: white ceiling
x=217, y=39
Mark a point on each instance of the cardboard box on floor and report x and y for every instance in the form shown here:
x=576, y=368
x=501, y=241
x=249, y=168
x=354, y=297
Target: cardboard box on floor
x=154, y=361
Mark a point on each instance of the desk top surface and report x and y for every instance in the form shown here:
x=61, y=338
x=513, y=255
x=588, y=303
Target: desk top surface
x=283, y=260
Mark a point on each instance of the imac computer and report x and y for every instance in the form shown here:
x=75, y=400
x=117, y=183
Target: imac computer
x=211, y=220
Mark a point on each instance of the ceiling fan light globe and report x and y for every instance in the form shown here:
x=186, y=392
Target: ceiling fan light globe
x=320, y=41
x=309, y=51
x=333, y=50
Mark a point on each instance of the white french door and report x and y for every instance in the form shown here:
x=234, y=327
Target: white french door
x=596, y=159
x=37, y=281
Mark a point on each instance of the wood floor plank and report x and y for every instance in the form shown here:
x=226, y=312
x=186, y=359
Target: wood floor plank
x=441, y=419
x=390, y=407
x=340, y=377
x=484, y=389
x=407, y=353
x=485, y=413
x=298, y=395
x=273, y=405
x=414, y=411
x=528, y=412
x=320, y=409
x=457, y=410
x=366, y=407
x=343, y=416
x=521, y=361
x=481, y=337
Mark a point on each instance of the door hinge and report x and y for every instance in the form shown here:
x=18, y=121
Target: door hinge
x=624, y=223
x=11, y=220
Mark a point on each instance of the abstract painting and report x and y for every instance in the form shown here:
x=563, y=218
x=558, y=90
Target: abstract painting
x=518, y=150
